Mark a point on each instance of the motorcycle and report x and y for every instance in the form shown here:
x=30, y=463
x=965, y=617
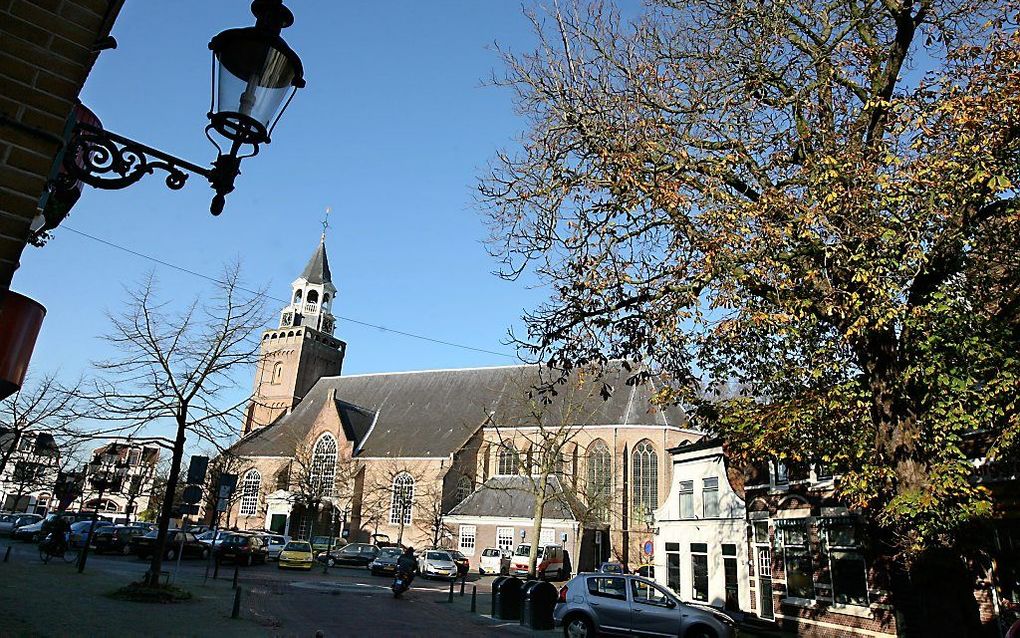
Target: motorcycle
x=401, y=583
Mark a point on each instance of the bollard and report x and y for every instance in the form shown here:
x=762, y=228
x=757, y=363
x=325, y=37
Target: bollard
x=474, y=598
x=451, y=592
x=216, y=569
x=235, y=577
x=7, y=554
x=462, y=586
x=237, y=603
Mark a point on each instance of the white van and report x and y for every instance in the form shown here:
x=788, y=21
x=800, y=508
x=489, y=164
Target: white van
x=549, y=563
x=494, y=561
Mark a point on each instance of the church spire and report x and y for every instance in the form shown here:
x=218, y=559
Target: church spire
x=313, y=292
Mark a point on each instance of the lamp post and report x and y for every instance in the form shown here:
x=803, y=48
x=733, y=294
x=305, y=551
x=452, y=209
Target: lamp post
x=332, y=530
x=107, y=471
x=254, y=77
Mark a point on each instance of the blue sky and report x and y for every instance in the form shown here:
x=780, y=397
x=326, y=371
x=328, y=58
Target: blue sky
x=392, y=131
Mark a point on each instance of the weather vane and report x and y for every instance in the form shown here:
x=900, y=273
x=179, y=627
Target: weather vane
x=325, y=221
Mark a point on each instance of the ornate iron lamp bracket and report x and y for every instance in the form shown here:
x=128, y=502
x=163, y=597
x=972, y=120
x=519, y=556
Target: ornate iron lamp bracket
x=106, y=160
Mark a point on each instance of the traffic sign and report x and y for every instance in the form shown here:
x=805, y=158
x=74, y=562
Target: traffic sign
x=649, y=547
x=192, y=494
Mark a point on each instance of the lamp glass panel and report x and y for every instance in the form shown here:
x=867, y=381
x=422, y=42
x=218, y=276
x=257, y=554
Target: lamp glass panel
x=254, y=79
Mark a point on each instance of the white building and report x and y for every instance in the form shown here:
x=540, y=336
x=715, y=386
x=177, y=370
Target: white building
x=701, y=539
x=28, y=476
x=127, y=496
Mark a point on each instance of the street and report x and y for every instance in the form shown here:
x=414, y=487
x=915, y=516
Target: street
x=346, y=601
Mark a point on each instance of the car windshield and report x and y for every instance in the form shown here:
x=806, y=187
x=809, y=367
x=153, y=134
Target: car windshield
x=390, y=552
x=320, y=540
x=490, y=552
x=235, y=539
x=437, y=556
x=297, y=546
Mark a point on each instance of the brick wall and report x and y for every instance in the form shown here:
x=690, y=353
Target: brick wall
x=45, y=57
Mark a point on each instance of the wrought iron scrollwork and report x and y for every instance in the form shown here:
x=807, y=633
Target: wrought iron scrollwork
x=106, y=160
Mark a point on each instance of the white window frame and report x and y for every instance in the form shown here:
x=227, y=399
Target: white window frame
x=250, y=487
x=709, y=485
x=547, y=537
x=467, y=532
x=505, y=534
x=686, y=502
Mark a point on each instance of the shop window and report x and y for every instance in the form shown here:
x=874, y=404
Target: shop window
x=673, y=566
x=699, y=571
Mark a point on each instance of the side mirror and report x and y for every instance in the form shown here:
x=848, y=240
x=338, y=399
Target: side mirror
x=671, y=603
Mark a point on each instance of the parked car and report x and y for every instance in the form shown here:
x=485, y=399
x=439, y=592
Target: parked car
x=177, y=541
x=494, y=561
x=275, y=544
x=549, y=563
x=437, y=563
x=116, y=538
x=463, y=563
x=354, y=555
x=610, y=568
x=213, y=538
x=37, y=531
x=197, y=529
x=142, y=525
x=385, y=562
x=79, y=532
x=32, y=531
x=9, y=522
x=646, y=571
x=321, y=544
x=297, y=554
x=595, y=603
x=247, y=549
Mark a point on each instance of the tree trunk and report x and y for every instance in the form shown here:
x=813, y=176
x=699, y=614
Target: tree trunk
x=156, y=566
x=536, y=527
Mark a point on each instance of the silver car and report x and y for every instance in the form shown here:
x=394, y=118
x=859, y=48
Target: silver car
x=595, y=603
x=436, y=563
x=10, y=522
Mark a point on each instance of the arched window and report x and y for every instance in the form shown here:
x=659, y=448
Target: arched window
x=403, y=499
x=464, y=488
x=323, y=470
x=645, y=480
x=250, y=493
x=325, y=298
x=600, y=478
x=313, y=296
x=277, y=372
x=297, y=296
x=509, y=461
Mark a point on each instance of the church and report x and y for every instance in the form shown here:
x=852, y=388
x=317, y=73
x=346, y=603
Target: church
x=445, y=457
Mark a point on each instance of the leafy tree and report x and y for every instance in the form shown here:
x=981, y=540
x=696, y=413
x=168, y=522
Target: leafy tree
x=813, y=199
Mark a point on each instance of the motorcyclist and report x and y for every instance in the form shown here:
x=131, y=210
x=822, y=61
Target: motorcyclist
x=407, y=565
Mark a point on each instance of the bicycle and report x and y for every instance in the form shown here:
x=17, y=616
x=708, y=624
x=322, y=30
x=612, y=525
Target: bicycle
x=49, y=548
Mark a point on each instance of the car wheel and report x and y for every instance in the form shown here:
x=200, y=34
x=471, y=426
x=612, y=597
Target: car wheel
x=578, y=627
x=171, y=554
x=700, y=632
x=205, y=553
x=331, y=561
x=126, y=550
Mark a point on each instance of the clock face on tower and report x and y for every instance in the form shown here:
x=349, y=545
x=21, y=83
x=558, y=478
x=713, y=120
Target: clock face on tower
x=288, y=319
x=327, y=325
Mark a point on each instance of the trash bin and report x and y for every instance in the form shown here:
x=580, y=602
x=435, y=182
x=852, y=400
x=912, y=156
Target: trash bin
x=538, y=600
x=495, y=586
x=507, y=595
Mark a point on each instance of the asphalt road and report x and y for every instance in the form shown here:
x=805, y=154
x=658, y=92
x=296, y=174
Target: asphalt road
x=345, y=601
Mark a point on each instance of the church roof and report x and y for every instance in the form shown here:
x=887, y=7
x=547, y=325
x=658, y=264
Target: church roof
x=513, y=497
x=317, y=270
x=433, y=413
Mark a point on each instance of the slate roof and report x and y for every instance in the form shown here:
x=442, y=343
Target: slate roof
x=512, y=496
x=317, y=270
x=695, y=446
x=434, y=413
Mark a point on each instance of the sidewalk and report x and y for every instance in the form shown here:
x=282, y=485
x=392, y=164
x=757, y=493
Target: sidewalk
x=55, y=600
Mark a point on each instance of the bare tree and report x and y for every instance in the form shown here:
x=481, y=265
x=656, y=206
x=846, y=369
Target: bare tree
x=535, y=432
x=430, y=516
x=323, y=478
x=176, y=366
x=44, y=407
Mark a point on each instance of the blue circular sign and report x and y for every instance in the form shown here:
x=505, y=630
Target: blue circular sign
x=649, y=547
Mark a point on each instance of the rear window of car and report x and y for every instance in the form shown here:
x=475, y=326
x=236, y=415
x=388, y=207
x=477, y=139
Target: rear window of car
x=608, y=587
x=390, y=551
x=437, y=556
x=490, y=552
x=295, y=546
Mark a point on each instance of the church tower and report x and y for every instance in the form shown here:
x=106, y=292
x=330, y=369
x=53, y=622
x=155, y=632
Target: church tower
x=302, y=349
